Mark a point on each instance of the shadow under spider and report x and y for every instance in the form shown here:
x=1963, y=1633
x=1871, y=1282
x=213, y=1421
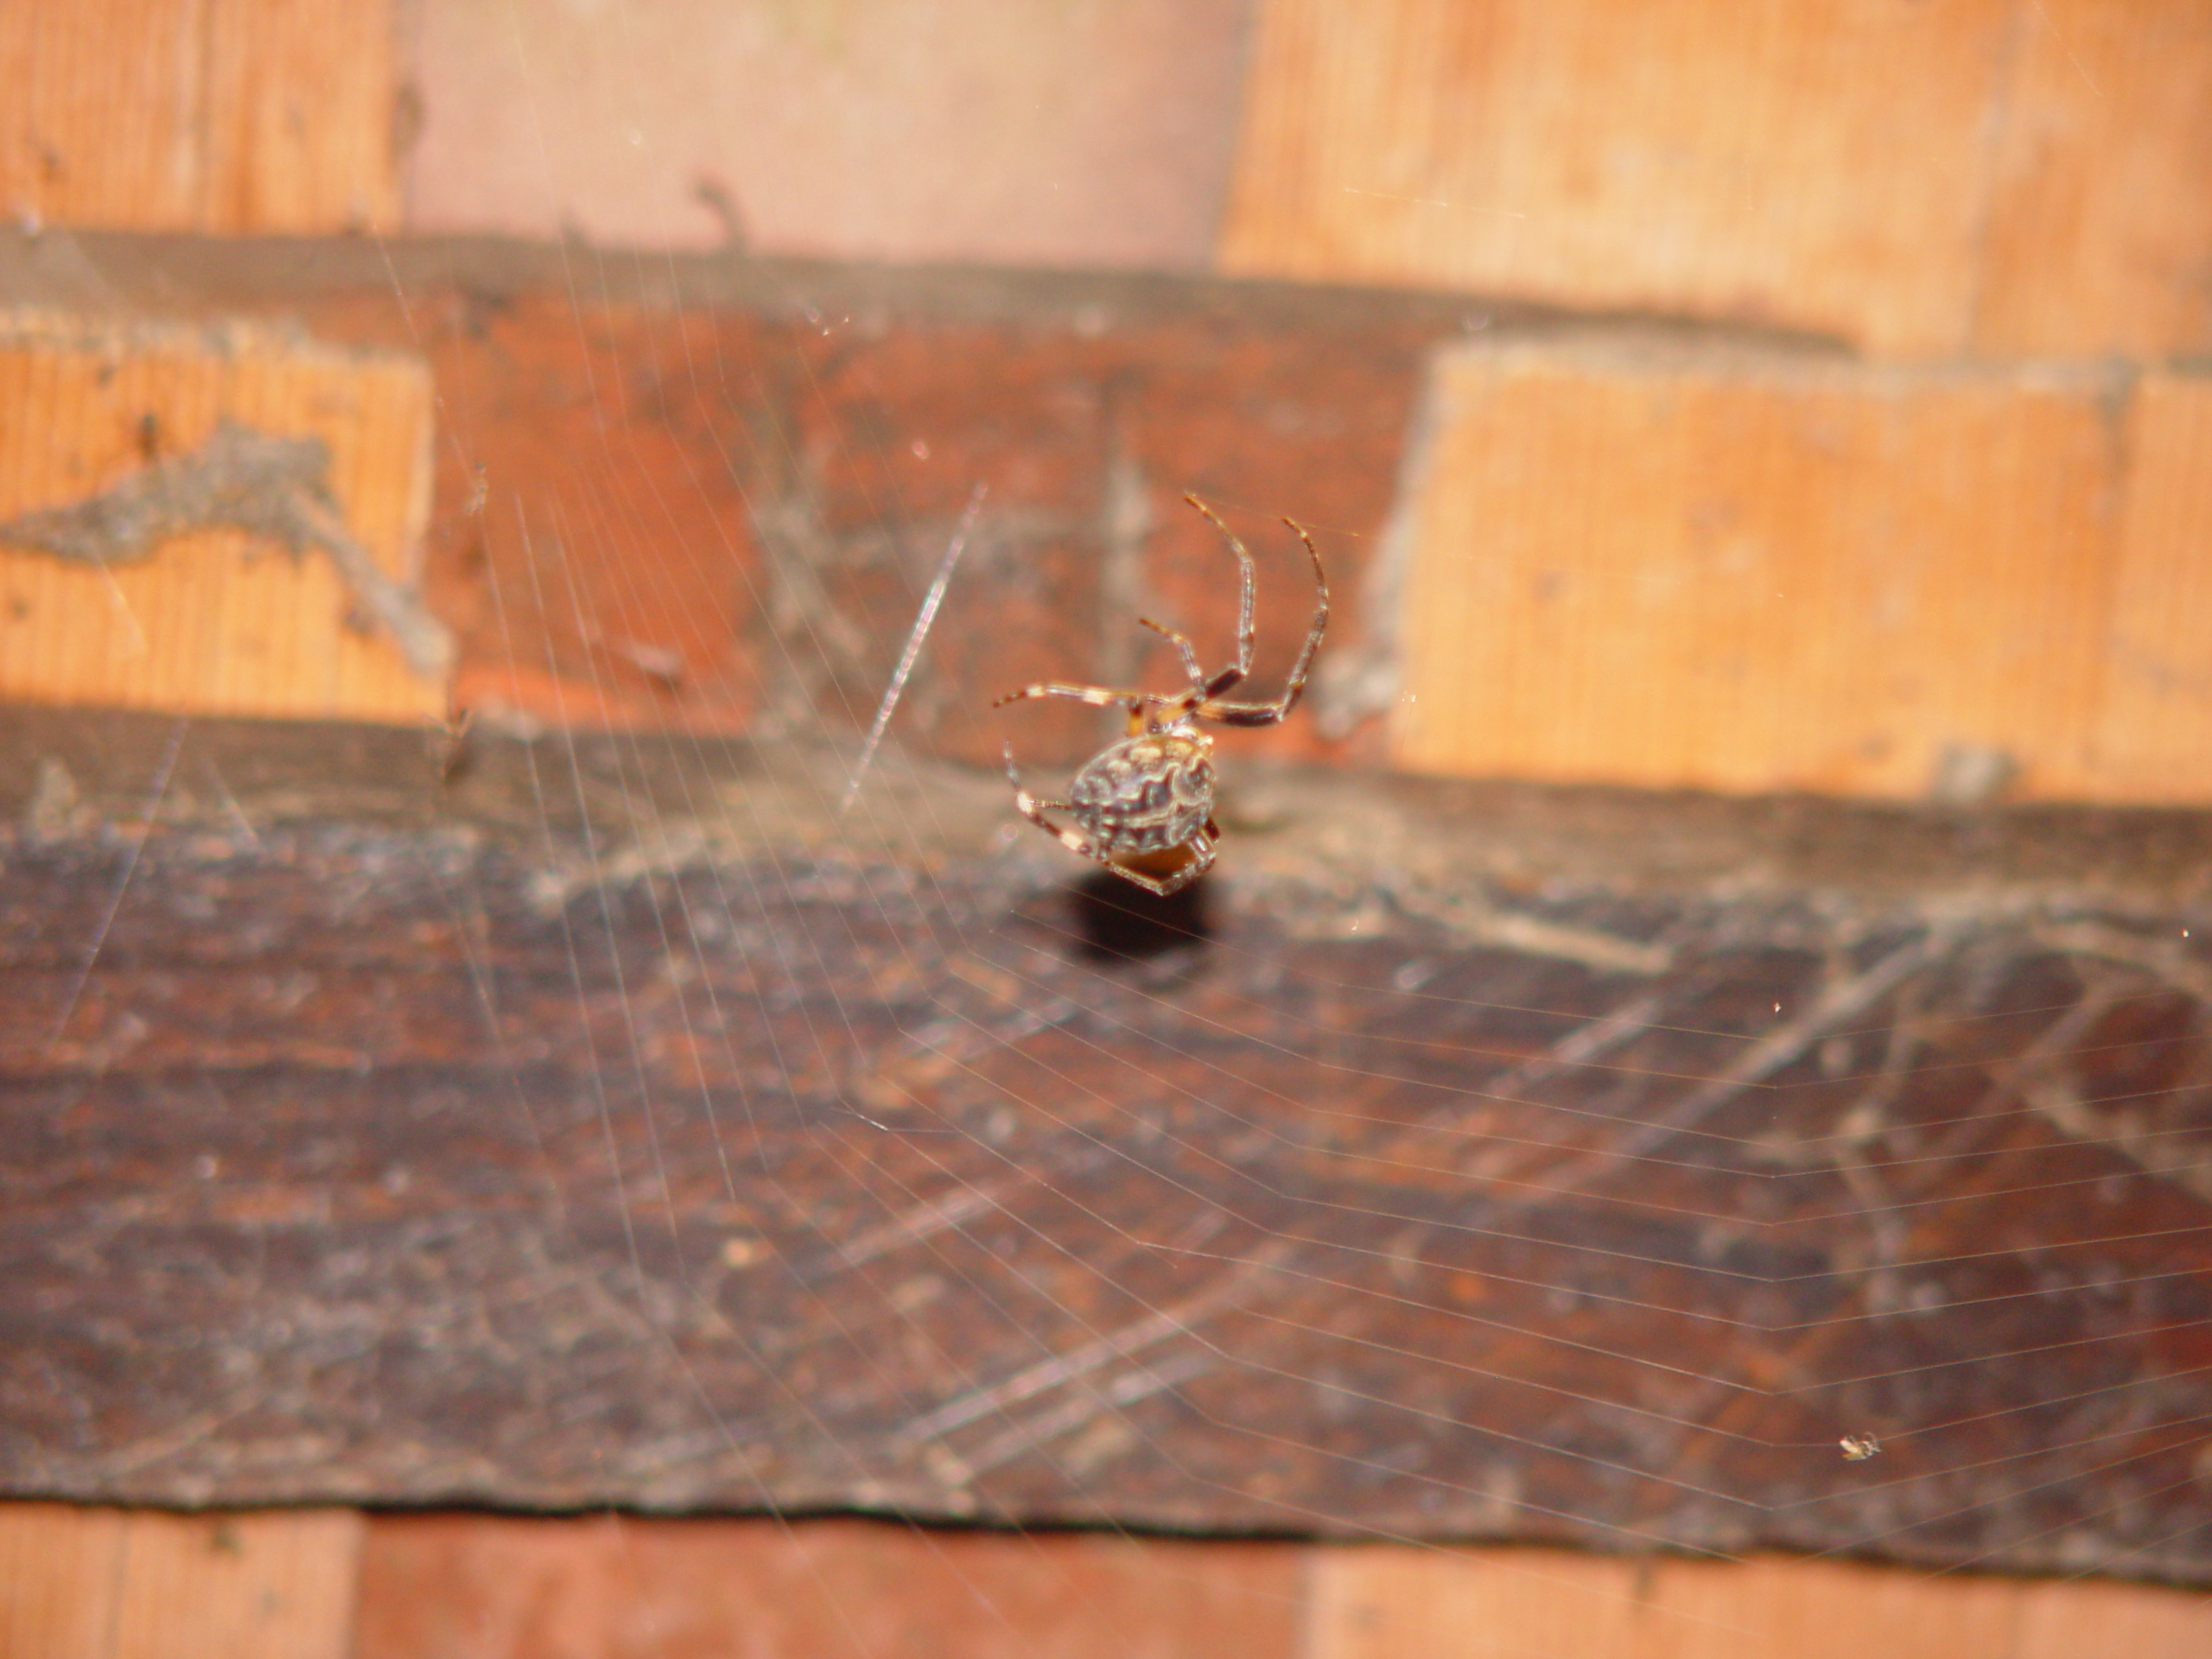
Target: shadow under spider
x=1119, y=923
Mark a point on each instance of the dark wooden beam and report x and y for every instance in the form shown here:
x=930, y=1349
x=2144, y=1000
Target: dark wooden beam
x=605, y=1122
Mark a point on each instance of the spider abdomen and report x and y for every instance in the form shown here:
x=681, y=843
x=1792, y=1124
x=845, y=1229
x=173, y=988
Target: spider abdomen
x=1147, y=793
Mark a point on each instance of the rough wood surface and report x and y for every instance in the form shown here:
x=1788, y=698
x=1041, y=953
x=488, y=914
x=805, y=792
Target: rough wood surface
x=1501, y=1162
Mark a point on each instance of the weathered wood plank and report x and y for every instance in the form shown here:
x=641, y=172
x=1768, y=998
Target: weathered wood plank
x=1498, y=1162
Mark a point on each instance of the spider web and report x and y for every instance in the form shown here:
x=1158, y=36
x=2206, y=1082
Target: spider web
x=1422, y=1179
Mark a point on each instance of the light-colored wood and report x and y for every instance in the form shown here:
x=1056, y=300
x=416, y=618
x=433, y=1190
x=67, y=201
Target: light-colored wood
x=111, y=1584
x=59, y=1569
x=2009, y=175
x=2082, y=1620
x=2099, y=205
x=216, y=115
x=1670, y=569
x=1396, y=1603
x=214, y=621
x=2154, y=719
x=473, y=1587
x=80, y=1583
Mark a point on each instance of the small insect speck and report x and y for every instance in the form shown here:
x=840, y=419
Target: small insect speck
x=1857, y=1448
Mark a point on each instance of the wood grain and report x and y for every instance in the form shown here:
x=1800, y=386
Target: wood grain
x=1669, y=569
x=2098, y=206
x=216, y=620
x=116, y=1584
x=2153, y=735
x=1993, y=176
x=619, y=1126
x=211, y=115
x=1386, y=1604
x=472, y=1587
x=110, y=1583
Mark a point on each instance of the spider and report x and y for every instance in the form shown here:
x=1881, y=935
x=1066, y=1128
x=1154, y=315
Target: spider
x=1153, y=791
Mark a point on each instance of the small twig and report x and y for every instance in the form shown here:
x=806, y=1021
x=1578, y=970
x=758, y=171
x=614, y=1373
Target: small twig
x=278, y=489
x=929, y=602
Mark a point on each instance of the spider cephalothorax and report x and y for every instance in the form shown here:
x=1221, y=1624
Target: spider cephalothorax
x=1153, y=791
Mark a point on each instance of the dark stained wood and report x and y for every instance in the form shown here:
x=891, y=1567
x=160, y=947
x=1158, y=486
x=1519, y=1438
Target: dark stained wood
x=609, y=1123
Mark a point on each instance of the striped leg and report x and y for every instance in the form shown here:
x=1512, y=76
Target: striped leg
x=1102, y=696
x=1189, y=652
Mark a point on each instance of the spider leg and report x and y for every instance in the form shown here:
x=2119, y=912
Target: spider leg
x=1104, y=697
x=1228, y=676
x=1170, y=710
x=1099, y=696
x=1267, y=714
x=1153, y=885
x=1201, y=861
x=1183, y=645
x=1031, y=808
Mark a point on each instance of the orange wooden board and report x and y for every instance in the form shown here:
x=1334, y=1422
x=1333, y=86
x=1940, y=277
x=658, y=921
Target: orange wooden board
x=472, y=1587
x=1668, y=569
x=2030, y=176
x=2154, y=719
x=114, y=1583
x=1404, y=1603
x=214, y=621
x=216, y=115
x=135, y=1584
x=2098, y=201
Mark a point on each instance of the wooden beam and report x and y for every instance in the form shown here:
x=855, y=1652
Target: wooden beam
x=617, y=1126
